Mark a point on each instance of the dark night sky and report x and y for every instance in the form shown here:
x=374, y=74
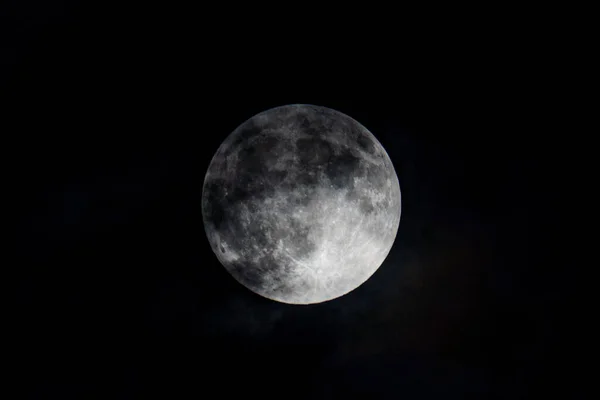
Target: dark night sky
x=114, y=114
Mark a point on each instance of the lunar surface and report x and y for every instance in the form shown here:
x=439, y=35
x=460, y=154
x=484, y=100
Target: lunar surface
x=301, y=204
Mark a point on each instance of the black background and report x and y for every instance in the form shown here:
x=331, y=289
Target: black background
x=114, y=112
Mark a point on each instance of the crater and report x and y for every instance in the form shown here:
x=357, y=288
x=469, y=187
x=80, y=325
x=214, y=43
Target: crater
x=365, y=143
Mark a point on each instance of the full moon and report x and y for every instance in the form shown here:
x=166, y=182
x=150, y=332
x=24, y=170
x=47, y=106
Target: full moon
x=301, y=204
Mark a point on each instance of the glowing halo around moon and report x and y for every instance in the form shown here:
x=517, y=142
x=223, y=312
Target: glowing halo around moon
x=301, y=204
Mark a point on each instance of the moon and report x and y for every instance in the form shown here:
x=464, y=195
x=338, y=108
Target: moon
x=301, y=204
